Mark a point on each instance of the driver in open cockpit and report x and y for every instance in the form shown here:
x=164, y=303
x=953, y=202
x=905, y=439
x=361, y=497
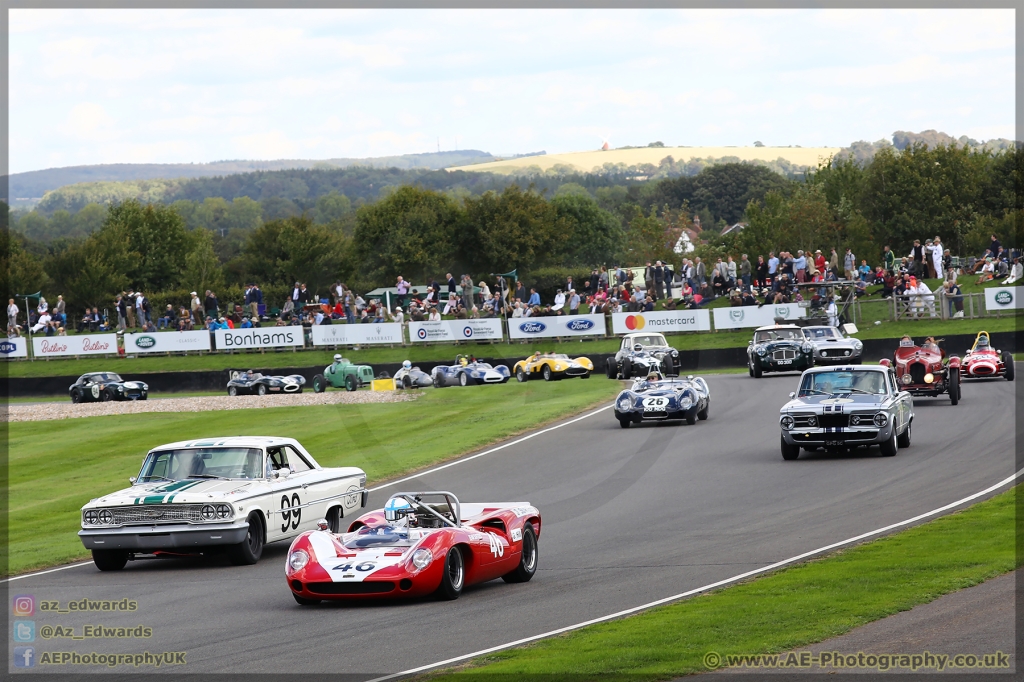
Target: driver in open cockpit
x=906, y=341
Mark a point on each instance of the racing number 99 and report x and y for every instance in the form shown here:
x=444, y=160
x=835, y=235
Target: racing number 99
x=291, y=512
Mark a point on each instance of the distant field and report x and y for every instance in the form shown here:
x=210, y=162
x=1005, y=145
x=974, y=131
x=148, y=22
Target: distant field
x=587, y=161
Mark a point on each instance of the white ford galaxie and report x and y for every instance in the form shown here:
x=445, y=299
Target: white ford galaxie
x=233, y=494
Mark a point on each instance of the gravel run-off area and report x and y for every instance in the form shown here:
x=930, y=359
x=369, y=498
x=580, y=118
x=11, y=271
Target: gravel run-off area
x=49, y=411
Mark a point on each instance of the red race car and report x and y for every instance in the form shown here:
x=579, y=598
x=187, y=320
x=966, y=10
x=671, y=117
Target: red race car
x=983, y=361
x=925, y=370
x=413, y=547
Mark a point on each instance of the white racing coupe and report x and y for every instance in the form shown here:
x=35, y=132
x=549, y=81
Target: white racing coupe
x=219, y=494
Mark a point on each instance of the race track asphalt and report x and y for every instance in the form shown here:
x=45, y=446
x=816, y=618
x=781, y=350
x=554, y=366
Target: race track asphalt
x=629, y=516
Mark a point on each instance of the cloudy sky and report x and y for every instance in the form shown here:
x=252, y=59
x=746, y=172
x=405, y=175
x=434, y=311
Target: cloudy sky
x=119, y=86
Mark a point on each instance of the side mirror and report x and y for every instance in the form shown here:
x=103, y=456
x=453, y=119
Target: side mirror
x=751, y=342
x=132, y=479
x=792, y=395
x=365, y=499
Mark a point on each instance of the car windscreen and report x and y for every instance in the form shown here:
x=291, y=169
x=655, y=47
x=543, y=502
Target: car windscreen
x=389, y=536
x=186, y=463
x=650, y=340
x=767, y=335
x=102, y=376
x=818, y=333
x=843, y=381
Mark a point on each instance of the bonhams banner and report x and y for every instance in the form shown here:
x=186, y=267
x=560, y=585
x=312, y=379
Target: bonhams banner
x=92, y=344
x=754, y=316
x=455, y=330
x=663, y=321
x=269, y=337
x=561, y=325
x=167, y=342
x=358, y=334
x=16, y=347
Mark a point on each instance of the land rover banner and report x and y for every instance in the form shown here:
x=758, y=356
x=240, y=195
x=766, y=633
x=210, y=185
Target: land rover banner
x=90, y=344
x=663, y=321
x=455, y=330
x=16, y=347
x=167, y=342
x=1004, y=298
x=259, y=337
x=358, y=334
x=752, y=316
x=561, y=325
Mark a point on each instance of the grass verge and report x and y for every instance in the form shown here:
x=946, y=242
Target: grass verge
x=57, y=466
x=793, y=607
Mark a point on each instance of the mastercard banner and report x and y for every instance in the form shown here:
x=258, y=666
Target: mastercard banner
x=671, y=321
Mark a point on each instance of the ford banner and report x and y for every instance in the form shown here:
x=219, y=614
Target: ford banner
x=667, y=321
x=167, y=342
x=259, y=337
x=739, y=317
x=561, y=325
x=16, y=347
x=358, y=334
x=89, y=344
x=455, y=330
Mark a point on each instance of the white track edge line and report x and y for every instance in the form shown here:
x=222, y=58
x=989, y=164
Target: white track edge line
x=383, y=485
x=697, y=590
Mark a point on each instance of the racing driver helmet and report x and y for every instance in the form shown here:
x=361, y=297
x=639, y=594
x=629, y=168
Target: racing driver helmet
x=406, y=364
x=397, y=509
x=337, y=357
x=982, y=342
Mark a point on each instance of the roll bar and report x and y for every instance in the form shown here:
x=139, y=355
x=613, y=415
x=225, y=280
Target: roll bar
x=415, y=499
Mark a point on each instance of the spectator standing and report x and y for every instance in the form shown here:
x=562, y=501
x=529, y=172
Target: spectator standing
x=58, y=310
x=140, y=314
x=917, y=256
x=937, y=253
x=849, y=265
x=304, y=295
x=731, y=270
x=402, y=289
x=296, y=297
x=833, y=261
x=864, y=271
x=762, y=271
x=819, y=262
x=745, y=272
x=147, y=309
x=196, y=306
x=700, y=274
x=211, y=305
x=889, y=259
x=12, y=315
x=129, y=308
x=800, y=266
x=955, y=296
x=659, y=281
x=122, y=313
x=574, y=302
x=773, y=267
x=257, y=301
x=451, y=283
x=993, y=249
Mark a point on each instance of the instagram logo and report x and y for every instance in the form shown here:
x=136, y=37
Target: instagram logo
x=24, y=605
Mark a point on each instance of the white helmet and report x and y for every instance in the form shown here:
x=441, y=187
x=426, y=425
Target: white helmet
x=337, y=357
x=406, y=364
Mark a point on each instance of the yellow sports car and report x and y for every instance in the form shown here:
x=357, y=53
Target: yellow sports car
x=552, y=366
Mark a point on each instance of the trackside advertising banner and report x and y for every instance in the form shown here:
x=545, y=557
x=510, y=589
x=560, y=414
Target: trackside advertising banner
x=753, y=316
x=1004, y=298
x=667, y=321
x=92, y=344
x=356, y=334
x=562, y=325
x=455, y=330
x=167, y=342
x=14, y=348
x=270, y=337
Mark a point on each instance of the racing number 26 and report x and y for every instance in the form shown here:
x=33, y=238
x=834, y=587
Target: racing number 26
x=291, y=512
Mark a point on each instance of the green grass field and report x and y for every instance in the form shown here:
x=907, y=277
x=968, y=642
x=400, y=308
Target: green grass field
x=791, y=608
x=57, y=466
x=872, y=308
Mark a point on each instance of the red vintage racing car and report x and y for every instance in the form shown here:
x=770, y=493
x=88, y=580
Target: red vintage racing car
x=925, y=370
x=413, y=547
x=983, y=361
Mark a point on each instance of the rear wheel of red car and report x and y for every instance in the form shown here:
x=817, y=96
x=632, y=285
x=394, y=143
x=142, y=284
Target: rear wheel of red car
x=1008, y=364
x=889, y=447
x=954, y=387
x=250, y=549
x=789, y=452
x=302, y=601
x=319, y=383
x=903, y=440
x=528, y=561
x=453, y=577
x=109, y=559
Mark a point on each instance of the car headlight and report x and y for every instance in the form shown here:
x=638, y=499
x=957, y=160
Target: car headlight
x=787, y=422
x=624, y=403
x=857, y=345
x=208, y=512
x=297, y=559
x=91, y=517
x=907, y=379
x=421, y=558
x=685, y=403
x=929, y=378
x=880, y=419
x=761, y=350
x=106, y=517
x=675, y=353
x=807, y=348
x=812, y=421
x=559, y=367
x=223, y=511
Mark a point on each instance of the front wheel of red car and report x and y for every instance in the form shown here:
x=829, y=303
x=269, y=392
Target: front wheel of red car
x=1008, y=365
x=453, y=577
x=528, y=560
x=954, y=386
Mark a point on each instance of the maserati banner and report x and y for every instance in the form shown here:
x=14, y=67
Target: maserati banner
x=754, y=316
x=357, y=334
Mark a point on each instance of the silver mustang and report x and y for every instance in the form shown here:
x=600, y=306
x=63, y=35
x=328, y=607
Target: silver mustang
x=840, y=408
x=832, y=347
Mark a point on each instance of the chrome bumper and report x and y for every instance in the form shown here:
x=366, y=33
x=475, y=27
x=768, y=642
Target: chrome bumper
x=170, y=536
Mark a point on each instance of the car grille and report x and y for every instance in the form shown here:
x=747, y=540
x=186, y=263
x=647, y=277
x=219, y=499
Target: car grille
x=375, y=587
x=845, y=436
x=784, y=354
x=576, y=371
x=833, y=421
x=157, y=513
x=917, y=372
x=835, y=353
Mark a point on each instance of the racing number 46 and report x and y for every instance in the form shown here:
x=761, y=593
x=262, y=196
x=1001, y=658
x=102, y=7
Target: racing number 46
x=291, y=512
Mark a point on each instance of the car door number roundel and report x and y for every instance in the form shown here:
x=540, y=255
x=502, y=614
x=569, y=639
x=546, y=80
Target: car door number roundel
x=291, y=512
x=497, y=548
x=655, y=404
